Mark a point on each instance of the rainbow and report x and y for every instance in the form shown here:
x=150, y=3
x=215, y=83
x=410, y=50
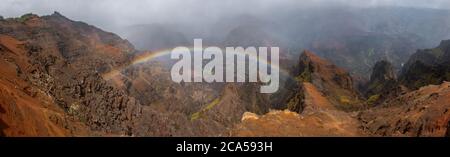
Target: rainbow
x=151, y=55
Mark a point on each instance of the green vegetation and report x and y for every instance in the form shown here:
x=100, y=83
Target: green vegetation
x=212, y=104
x=350, y=104
x=373, y=99
x=73, y=109
x=375, y=86
x=25, y=17
x=306, y=75
x=437, y=52
x=198, y=114
x=419, y=75
x=427, y=79
x=345, y=100
x=295, y=103
x=195, y=116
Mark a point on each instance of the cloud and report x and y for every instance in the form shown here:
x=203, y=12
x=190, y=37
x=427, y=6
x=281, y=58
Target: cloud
x=114, y=13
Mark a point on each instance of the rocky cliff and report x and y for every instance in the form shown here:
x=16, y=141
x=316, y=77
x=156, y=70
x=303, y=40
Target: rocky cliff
x=428, y=66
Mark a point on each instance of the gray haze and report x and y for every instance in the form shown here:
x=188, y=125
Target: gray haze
x=352, y=33
x=115, y=14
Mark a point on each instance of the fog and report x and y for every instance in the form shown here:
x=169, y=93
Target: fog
x=115, y=14
x=344, y=31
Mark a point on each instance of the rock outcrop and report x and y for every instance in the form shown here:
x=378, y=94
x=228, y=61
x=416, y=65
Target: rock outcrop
x=383, y=83
x=334, y=82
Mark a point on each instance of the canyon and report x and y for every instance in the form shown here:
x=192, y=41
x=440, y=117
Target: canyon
x=53, y=84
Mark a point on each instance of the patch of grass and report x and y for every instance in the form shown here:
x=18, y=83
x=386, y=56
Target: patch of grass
x=295, y=103
x=211, y=105
x=350, y=105
x=345, y=100
x=195, y=116
x=375, y=86
x=305, y=76
x=373, y=99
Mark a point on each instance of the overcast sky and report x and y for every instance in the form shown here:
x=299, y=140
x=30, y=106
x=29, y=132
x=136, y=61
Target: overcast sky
x=110, y=13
